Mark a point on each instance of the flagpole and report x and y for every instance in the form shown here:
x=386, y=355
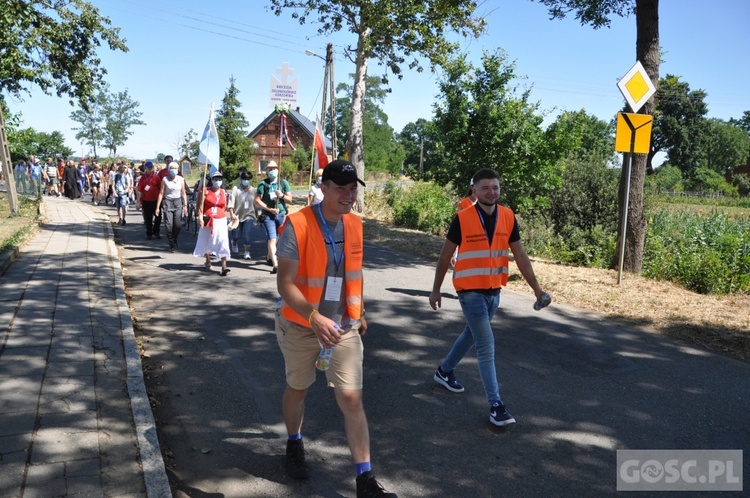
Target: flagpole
x=199, y=210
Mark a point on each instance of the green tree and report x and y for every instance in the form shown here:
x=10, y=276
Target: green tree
x=188, y=144
x=53, y=45
x=680, y=125
x=727, y=146
x=90, y=117
x=27, y=141
x=420, y=147
x=667, y=178
x=743, y=122
x=120, y=113
x=598, y=13
x=581, y=134
x=381, y=151
x=483, y=122
x=388, y=32
x=236, y=149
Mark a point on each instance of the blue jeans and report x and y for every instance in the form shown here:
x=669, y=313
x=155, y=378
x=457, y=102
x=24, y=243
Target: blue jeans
x=242, y=232
x=272, y=224
x=478, y=309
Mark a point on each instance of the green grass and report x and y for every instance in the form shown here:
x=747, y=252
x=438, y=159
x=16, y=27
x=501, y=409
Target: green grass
x=16, y=228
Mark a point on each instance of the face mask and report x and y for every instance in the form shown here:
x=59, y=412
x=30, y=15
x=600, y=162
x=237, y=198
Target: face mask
x=319, y=180
x=273, y=174
x=218, y=183
x=245, y=183
x=172, y=172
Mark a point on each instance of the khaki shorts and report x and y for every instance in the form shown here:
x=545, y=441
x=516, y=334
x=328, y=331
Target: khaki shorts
x=300, y=348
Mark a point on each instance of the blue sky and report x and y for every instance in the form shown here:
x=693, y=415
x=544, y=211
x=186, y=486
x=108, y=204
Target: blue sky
x=182, y=54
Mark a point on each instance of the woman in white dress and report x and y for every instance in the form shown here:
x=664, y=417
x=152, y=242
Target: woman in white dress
x=213, y=235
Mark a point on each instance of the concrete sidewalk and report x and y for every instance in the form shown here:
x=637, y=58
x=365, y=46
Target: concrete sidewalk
x=75, y=419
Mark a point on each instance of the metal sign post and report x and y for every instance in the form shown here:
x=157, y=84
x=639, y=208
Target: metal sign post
x=637, y=88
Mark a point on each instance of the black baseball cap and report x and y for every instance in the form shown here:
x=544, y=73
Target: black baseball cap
x=341, y=172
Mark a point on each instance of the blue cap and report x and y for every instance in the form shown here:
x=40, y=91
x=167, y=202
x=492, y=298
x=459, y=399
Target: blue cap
x=149, y=164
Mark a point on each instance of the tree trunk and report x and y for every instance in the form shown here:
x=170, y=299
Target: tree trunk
x=647, y=51
x=355, y=145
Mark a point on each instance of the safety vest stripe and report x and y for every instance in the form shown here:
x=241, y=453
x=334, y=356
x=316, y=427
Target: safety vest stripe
x=353, y=300
x=474, y=272
x=481, y=254
x=312, y=282
x=353, y=275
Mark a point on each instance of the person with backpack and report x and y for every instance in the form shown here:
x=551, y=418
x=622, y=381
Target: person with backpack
x=271, y=197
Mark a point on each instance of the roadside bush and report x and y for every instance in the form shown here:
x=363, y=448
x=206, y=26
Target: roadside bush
x=587, y=197
x=709, y=254
x=422, y=206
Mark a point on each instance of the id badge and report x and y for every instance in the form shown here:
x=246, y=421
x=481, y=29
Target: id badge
x=247, y=204
x=214, y=210
x=333, y=288
x=148, y=187
x=272, y=195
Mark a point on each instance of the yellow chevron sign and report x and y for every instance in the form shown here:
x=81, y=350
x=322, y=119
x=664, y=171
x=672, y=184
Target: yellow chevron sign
x=633, y=133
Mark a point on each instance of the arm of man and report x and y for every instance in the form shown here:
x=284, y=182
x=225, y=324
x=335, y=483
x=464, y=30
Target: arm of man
x=286, y=192
x=323, y=327
x=524, y=266
x=444, y=261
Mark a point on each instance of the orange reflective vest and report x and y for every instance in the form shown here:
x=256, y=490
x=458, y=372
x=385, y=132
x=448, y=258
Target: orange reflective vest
x=479, y=266
x=465, y=203
x=313, y=258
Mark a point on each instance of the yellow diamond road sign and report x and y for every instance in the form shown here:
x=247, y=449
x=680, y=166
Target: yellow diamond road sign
x=636, y=87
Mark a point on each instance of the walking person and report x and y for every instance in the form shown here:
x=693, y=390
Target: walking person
x=320, y=283
x=148, y=187
x=60, y=175
x=95, y=180
x=483, y=234
x=172, y=203
x=83, y=174
x=70, y=180
x=316, y=192
x=121, y=188
x=35, y=178
x=213, y=236
x=242, y=206
x=271, y=197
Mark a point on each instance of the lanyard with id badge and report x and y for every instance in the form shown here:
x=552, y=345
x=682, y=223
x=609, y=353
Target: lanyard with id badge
x=334, y=284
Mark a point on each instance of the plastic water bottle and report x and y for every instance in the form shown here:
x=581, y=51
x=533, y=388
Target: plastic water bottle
x=543, y=302
x=324, y=358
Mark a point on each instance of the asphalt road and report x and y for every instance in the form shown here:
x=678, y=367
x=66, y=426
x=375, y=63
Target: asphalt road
x=579, y=386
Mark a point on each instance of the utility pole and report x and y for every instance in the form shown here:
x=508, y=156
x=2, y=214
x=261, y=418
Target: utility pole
x=10, y=180
x=329, y=88
x=329, y=71
x=421, y=158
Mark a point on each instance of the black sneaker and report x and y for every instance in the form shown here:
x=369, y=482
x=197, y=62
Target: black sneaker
x=368, y=486
x=296, y=467
x=448, y=380
x=499, y=415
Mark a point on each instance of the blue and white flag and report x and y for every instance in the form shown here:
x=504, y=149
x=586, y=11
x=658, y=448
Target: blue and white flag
x=208, y=150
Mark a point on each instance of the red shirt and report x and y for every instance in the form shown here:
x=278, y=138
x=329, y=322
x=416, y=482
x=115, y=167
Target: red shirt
x=216, y=200
x=149, y=186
